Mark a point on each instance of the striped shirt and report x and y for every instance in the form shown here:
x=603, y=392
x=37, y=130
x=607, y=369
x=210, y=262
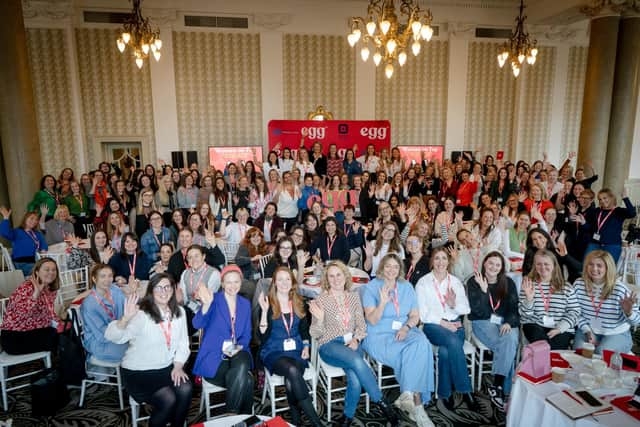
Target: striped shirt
x=610, y=318
x=563, y=307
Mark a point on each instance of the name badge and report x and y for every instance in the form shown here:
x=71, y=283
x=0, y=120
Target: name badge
x=548, y=321
x=83, y=214
x=347, y=337
x=457, y=201
x=227, y=346
x=499, y=199
x=256, y=276
x=596, y=237
x=193, y=306
x=495, y=319
x=193, y=206
x=443, y=199
x=429, y=192
x=596, y=323
x=54, y=324
x=395, y=325
x=289, y=344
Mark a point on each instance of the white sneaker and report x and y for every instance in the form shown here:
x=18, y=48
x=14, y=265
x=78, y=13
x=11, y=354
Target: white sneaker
x=421, y=417
x=406, y=405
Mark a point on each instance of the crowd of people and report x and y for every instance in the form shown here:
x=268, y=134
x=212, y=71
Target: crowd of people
x=503, y=248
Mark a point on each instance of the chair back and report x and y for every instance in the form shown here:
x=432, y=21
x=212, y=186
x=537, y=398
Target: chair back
x=6, y=264
x=9, y=281
x=313, y=359
x=230, y=251
x=3, y=308
x=73, y=282
x=263, y=263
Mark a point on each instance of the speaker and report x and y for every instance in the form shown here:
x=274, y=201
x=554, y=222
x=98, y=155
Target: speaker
x=192, y=157
x=177, y=159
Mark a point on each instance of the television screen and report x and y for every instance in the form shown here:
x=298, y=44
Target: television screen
x=219, y=157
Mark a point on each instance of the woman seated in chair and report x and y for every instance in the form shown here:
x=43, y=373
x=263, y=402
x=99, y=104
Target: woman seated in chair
x=59, y=228
x=285, y=255
x=25, y=239
x=607, y=308
x=331, y=244
x=30, y=321
x=224, y=358
x=339, y=326
x=252, y=249
x=130, y=265
x=152, y=366
x=104, y=304
x=443, y=303
x=493, y=298
x=391, y=310
x=548, y=306
x=284, y=335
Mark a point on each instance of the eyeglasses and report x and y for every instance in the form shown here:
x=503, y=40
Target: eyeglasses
x=300, y=235
x=412, y=242
x=288, y=248
x=163, y=289
x=393, y=230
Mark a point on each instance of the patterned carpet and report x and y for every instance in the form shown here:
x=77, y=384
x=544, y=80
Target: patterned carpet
x=102, y=410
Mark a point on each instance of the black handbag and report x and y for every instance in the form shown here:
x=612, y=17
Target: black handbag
x=71, y=353
x=49, y=394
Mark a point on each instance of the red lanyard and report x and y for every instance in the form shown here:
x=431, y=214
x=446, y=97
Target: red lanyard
x=233, y=322
x=545, y=300
x=395, y=300
x=184, y=259
x=412, y=267
x=593, y=303
x=109, y=312
x=132, y=267
x=166, y=332
x=35, y=239
x=80, y=201
x=437, y=286
x=155, y=237
x=601, y=223
x=494, y=308
x=347, y=229
x=284, y=320
x=192, y=290
x=346, y=314
x=330, y=243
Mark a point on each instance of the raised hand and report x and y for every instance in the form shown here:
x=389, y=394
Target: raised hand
x=384, y=295
x=44, y=209
x=481, y=281
x=316, y=310
x=264, y=302
x=561, y=248
x=527, y=287
x=522, y=196
x=450, y=298
x=302, y=257
x=627, y=303
x=6, y=213
x=204, y=294
x=131, y=307
x=210, y=237
x=459, y=216
x=368, y=249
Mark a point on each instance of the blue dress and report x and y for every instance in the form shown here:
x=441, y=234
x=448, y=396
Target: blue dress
x=95, y=319
x=273, y=348
x=412, y=358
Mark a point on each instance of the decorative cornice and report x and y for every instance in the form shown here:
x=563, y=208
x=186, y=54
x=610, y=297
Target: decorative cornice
x=559, y=33
x=163, y=17
x=461, y=30
x=475, y=4
x=52, y=9
x=272, y=21
x=599, y=8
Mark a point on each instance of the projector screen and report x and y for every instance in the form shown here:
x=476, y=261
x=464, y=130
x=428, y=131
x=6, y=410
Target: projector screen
x=219, y=157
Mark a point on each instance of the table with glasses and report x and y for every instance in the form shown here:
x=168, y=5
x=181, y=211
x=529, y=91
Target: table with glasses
x=311, y=286
x=60, y=253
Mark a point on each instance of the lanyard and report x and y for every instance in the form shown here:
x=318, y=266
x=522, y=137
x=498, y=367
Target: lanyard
x=284, y=320
x=395, y=300
x=184, y=259
x=155, y=237
x=166, y=331
x=107, y=310
x=545, y=300
x=494, y=308
x=192, y=290
x=593, y=303
x=347, y=229
x=601, y=223
x=412, y=267
x=330, y=243
x=346, y=314
x=132, y=267
x=442, y=299
x=233, y=322
x=35, y=239
x=80, y=201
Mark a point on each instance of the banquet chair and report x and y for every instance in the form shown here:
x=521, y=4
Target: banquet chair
x=263, y=263
x=135, y=412
x=470, y=353
x=59, y=258
x=326, y=374
x=229, y=250
x=483, y=364
x=271, y=381
x=6, y=264
x=89, y=229
x=205, y=398
x=93, y=376
x=72, y=282
x=8, y=360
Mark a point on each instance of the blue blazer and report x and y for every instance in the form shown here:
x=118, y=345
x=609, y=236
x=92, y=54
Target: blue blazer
x=216, y=325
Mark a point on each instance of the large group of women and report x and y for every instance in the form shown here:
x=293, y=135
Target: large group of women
x=505, y=249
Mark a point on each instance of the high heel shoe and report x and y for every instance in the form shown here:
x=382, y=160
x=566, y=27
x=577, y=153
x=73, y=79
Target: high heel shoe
x=388, y=411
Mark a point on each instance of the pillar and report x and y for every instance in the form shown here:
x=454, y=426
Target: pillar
x=18, y=127
x=596, y=105
x=624, y=104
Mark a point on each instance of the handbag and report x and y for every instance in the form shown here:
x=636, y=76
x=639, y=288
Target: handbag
x=536, y=362
x=49, y=394
x=71, y=353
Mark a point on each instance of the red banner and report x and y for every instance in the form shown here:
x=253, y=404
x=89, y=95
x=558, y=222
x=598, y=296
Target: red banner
x=219, y=157
x=414, y=153
x=344, y=133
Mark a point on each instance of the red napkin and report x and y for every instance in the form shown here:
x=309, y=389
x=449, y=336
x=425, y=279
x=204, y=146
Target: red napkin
x=558, y=362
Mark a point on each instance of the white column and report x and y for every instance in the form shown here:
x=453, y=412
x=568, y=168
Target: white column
x=634, y=171
x=76, y=99
x=554, y=145
x=457, y=93
x=271, y=76
x=163, y=90
x=365, y=88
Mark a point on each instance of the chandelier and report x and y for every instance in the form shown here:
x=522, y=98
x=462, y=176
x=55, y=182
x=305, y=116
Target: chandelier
x=386, y=36
x=519, y=47
x=139, y=36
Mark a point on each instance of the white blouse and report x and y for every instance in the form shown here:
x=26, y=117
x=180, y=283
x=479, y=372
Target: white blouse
x=431, y=297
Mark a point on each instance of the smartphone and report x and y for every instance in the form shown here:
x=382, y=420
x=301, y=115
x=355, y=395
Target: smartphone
x=635, y=402
x=629, y=363
x=500, y=155
x=589, y=398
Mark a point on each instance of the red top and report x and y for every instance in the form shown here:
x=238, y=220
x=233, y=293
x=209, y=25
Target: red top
x=25, y=314
x=446, y=190
x=465, y=193
x=543, y=205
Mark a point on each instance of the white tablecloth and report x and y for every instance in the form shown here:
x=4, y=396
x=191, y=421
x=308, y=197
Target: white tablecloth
x=314, y=291
x=230, y=420
x=528, y=408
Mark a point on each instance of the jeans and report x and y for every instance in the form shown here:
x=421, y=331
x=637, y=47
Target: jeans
x=452, y=363
x=26, y=267
x=359, y=374
x=614, y=250
x=619, y=343
x=504, y=348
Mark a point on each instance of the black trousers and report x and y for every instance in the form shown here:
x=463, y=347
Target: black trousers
x=33, y=341
x=535, y=332
x=235, y=375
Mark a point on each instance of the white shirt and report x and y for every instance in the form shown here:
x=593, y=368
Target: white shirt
x=286, y=165
x=384, y=249
x=432, y=306
x=370, y=165
x=287, y=205
x=147, y=343
x=234, y=232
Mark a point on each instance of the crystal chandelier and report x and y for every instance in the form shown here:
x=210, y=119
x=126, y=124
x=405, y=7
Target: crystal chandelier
x=139, y=36
x=519, y=47
x=386, y=36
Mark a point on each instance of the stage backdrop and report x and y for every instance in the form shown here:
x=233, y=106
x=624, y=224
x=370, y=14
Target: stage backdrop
x=414, y=153
x=219, y=157
x=343, y=133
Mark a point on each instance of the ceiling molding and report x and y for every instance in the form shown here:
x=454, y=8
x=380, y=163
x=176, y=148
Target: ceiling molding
x=272, y=21
x=49, y=9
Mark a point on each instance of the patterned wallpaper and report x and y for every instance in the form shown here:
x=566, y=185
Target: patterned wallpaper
x=318, y=70
x=218, y=90
x=53, y=99
x=536, y=97
x=489, y=102
x=414, y=100
x=116, y=95
x=573, y=98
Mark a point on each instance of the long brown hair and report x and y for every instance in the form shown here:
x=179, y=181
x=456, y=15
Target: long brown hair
x=502, y=282
x=53, y=286
x=557, y=279
x=148, y=305
x=298, y=304
x=395, y=244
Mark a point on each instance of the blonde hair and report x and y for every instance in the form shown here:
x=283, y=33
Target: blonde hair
x=345, y=270
x=557, y=282
x=383, y=263
x=610, y=276
x=59, y=210
x=152, y=206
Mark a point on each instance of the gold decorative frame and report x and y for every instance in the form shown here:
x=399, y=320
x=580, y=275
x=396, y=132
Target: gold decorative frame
x=320, y=114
